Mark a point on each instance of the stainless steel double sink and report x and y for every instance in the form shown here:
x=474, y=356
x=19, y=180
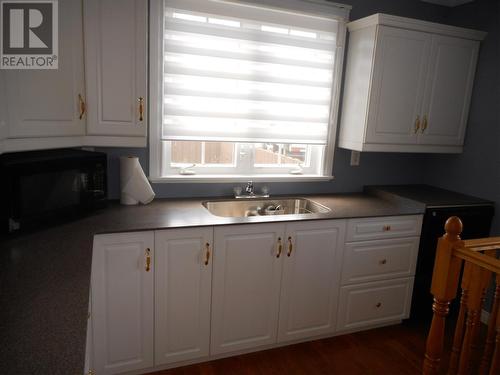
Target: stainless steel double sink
x=243, y=207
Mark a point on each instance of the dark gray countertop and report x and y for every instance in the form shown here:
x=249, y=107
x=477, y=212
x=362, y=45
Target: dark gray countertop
x=431, y=196
x=45, y=275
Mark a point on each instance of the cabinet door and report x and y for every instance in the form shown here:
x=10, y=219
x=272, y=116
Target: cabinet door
x=399, y=71
x=183, y=282
x=44, y=103
x=246, y=286
x=448, y=90
x=122, y=302
x=311, y=275
x=116, y=66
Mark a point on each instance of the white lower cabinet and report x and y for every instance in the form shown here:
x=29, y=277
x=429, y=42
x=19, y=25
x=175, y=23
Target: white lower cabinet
x=165, y=298
x=311, y=274
x=183, y=284
x=246, y=286
x=275, y=283
x=122, y=302
x=378, y=270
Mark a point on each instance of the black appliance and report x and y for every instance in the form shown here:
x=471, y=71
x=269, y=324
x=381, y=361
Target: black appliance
x=40, y=187
x=476, y=215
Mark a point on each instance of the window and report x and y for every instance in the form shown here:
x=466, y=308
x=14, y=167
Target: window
x=244, y=89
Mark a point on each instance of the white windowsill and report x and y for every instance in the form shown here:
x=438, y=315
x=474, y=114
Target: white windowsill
x=238, y=178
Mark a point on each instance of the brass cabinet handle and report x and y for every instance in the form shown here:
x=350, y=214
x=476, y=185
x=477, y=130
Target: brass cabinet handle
x=383, y=261
x=141, y=108
x=417, y=124
x=280, y=248
x=148, y=259
x=290, y=247
x=207, y=253
x=378, y=305
x=424, y=124
x=83, y=107
x=386, y=228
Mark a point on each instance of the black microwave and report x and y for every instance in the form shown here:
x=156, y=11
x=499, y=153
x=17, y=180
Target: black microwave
x=40, y=187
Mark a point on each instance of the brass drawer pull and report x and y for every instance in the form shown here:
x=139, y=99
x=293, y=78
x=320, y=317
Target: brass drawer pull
x=141, y=108
x=378, y=305
x=424, y=124
x=417, y=124
x=280, y=248
x=290, y=247
x=386, y=228
x=148, y=259
x=383, y=261
x=83, y=107
x=207, y=253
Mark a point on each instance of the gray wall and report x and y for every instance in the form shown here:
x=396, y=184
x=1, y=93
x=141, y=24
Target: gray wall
x=473, y=172
x=477, y=170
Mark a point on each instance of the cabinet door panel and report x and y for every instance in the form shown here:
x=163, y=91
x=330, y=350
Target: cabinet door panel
x=182, y=294
x=449, y=89
x=122, y=302
x=44, y=103
x=400, y=67
x=246, y=286
x=116, y=66
x=310, y=279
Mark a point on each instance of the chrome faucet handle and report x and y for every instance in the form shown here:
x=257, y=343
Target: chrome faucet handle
x=249, y=188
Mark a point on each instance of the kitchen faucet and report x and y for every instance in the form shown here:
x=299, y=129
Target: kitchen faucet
x=249, y=188
x=250, y=192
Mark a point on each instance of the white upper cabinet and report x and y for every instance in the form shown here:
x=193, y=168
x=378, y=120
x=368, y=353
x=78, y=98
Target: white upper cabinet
x=48, y=103
x=398, y=85
x=408, y=85
x=448, y=90
x=116, y=68
x=103, y=104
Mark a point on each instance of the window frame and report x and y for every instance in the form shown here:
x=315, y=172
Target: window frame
x=223, y=174
x=244, y=161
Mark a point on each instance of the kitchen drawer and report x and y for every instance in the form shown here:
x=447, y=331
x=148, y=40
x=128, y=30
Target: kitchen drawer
x=375, y=303
x=380, y=259
x=383, y=227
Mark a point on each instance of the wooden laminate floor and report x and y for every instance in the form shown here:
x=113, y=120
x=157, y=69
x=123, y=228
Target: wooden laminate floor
x=391, y=350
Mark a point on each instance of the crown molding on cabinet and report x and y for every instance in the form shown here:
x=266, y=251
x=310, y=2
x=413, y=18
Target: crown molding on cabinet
x=418, y=25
